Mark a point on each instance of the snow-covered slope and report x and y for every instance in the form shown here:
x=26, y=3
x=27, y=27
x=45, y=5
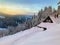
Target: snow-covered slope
x=12, y=38
x=47, y=25
x=49, y=37
x=34, y=36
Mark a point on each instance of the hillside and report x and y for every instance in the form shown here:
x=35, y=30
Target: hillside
x=34, y=36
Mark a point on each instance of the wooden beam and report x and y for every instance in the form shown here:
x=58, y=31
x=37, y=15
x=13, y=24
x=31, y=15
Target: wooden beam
x=42, y=27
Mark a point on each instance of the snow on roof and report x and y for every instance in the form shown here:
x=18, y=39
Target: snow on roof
x=55, y=20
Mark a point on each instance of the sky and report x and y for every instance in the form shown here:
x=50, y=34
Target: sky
x=25, y=6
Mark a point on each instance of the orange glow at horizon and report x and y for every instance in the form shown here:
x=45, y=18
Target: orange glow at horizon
x=15, y=9
x=12, y=12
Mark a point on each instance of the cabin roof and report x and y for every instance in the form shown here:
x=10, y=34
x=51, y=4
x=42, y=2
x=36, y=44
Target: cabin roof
x=55, y=20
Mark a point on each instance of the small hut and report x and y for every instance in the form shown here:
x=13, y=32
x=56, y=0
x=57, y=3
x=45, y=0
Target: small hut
x=48, y=19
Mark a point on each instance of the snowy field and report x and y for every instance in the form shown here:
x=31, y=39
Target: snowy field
x=35, y=36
